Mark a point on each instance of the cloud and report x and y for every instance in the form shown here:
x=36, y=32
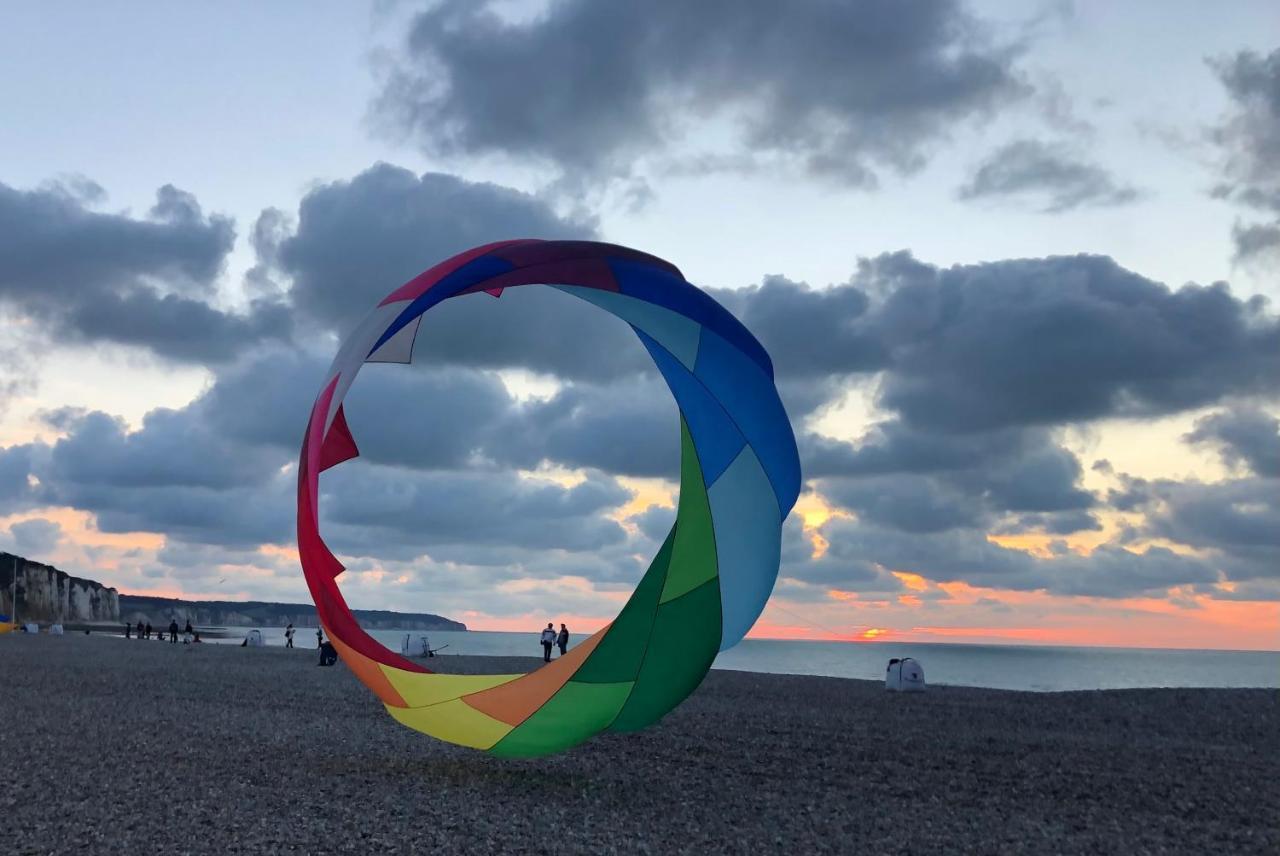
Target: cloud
x=357, y=240
x=1052, y=176
x=900, y=478
x=1257, y=242
x=17, y=464
x=1244, y=436
x=35, y=537
x=1249, y=139
x=840, y=91
x=1239, y=518
x=630, y=427
x=965, y=555
x=89, y=276
x=1058, y=340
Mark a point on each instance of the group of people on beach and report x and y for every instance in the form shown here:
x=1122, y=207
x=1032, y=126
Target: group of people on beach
x=550, y=639
x=144, y=631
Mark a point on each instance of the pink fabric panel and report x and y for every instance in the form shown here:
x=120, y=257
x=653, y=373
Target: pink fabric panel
x=417, y=286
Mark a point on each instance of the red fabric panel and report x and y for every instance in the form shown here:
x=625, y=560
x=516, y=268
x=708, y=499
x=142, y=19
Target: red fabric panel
x=338, y=445
x=591, y=273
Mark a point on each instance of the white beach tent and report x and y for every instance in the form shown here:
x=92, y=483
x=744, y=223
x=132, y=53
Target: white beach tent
x=55, y=629
x=32, y=627
x=904, y=675
x=253, y=639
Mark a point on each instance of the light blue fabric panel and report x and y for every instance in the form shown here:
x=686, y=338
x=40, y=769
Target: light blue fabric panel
x=744, y=512
x=676, y=333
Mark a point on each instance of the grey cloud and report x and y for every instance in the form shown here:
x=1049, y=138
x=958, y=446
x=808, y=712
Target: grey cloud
x=1245, y=436
x=1061, y=339
x=967, y=556
x=908, y=503
x=357, y=240
x=811, y=332
x=172, y=449
x=1052, y=176
x=841, y=91
x=92, y=276
x=1249, y=138
x=473, y=508
x=1250, y=134
x=1257, y=242
x=1027, y=476
x=16, y=464
x=629, y=427
x=1240, y=518
x=36, y=537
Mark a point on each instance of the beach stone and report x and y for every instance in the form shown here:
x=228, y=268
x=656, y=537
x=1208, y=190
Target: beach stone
x=115, y=746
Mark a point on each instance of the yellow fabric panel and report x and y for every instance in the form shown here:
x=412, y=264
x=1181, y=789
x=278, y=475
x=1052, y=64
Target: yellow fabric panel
x=454, y=721
x=419, y=690
x=5, y=627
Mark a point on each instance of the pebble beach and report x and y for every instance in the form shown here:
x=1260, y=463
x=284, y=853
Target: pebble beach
x=114, y=746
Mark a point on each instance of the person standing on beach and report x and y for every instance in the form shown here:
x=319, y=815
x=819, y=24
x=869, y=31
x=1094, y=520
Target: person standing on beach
x=319, y=636
x=548, y=640
x=188, y=628
x=563, y=639
x=128, y=628
x=173, y=631
x=148, y=631
x=288, y=636
x=139, y=629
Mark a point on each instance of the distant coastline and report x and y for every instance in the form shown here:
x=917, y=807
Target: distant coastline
x=256, y=613
x=47, y=595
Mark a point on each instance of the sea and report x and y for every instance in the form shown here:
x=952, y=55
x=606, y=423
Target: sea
x=1040, y=668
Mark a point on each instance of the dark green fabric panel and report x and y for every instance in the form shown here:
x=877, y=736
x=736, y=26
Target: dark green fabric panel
x=620, y=652
x=685, y=641
x=576, y=712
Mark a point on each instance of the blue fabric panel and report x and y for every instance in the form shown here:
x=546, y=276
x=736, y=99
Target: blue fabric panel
x=752, y=402
x=678, y=334
x=744, y=512
x=714, y=435
x=656, y=286
x=474, y=271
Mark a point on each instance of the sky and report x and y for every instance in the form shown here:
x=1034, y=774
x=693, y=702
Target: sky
x=1015, y=265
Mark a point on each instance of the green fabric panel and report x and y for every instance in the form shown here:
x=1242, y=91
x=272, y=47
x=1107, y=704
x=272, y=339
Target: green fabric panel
x=693, y=561
x=576, y=712
x=620, y=652
x=685, y=641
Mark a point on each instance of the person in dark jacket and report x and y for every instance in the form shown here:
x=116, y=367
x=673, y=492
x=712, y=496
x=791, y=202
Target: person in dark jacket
x=563, y=639
x=173, y=631
x=140, y=629
x=328, y=654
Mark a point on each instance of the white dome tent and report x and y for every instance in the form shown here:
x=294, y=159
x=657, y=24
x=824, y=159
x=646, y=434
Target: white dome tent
x=253, y=639
x=904, y=675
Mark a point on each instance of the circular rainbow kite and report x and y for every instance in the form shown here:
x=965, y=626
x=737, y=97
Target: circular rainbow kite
x=739, y=477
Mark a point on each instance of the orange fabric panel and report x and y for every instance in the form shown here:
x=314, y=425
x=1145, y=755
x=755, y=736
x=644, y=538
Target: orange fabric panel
x=515, y=702
x=369, y=673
